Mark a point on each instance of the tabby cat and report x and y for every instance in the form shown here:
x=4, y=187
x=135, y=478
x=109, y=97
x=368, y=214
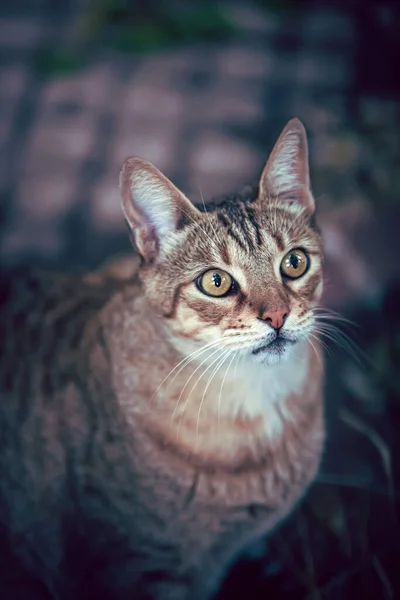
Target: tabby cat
x=152, y=424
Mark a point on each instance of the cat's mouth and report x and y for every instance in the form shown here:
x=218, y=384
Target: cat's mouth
x=277, y=346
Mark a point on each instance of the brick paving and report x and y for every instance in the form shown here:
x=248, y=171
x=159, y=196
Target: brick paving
x=205, y=114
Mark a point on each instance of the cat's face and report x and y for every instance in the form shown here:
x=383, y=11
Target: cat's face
x=243, y=275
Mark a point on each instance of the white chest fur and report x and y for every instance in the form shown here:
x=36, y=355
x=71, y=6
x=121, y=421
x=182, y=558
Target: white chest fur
x=255, y=390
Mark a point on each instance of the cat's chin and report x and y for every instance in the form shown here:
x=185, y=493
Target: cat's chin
x=275, y=352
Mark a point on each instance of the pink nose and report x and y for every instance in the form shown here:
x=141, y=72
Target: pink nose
x=275, y=318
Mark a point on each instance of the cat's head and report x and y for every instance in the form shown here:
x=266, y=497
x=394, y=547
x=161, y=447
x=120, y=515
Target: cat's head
x=244, y=274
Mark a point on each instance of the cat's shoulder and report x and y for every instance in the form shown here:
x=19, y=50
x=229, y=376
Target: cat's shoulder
x=123, y=268
x=25, y=288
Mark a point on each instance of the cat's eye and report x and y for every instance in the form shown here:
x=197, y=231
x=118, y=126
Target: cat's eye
x=215, y=283
x=295, y=264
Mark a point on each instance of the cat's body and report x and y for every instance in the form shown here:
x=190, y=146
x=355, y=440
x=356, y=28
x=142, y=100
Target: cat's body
x=130, y=468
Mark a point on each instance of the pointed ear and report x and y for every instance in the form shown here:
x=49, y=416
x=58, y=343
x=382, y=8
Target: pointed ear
x=286, y=175
x=153, y=207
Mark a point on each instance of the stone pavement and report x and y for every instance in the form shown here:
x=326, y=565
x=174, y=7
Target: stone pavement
x=206, y=114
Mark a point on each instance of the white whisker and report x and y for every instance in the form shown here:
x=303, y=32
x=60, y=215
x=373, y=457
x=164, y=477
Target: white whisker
x=194, y=386
x=343, y=341
x=191, y=377
x=314, y=348
x=253, y=338
x=238, y=354
x=222, y=385
x=330, y=315
x=186, y=359
x=325, y=346
x=221, y=362
x=194, y=356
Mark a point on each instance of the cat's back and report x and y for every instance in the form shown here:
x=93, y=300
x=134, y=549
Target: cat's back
x=44, y=315
x=54, y=373
x=52, y=352
x=40, y=315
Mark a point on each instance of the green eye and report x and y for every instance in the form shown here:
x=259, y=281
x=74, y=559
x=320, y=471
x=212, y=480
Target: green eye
x=215, y=283
x=295, y=264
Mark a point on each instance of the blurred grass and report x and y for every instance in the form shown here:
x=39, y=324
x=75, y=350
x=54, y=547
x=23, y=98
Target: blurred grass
x=136, y=28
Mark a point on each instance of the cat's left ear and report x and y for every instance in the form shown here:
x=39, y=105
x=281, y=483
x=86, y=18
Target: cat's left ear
x=153, y=207
x=286, y=175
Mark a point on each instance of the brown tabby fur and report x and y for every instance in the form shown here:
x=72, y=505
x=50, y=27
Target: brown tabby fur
x=117, y=481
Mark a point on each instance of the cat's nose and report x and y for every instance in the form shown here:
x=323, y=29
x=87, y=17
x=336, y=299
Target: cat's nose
x=275, y=318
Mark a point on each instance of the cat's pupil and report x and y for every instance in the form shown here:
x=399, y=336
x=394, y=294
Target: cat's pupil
x=294, y=261
x=217, y=279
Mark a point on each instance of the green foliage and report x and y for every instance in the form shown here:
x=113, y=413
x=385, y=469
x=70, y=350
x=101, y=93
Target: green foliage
x=127, y=27
x=53, y=62
x=166, y=30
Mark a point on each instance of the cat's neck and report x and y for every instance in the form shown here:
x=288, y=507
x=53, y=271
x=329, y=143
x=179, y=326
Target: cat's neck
x=216, y=412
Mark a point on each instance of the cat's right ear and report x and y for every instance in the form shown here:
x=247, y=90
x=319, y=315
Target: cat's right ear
x=153, y=207
x=286, y=175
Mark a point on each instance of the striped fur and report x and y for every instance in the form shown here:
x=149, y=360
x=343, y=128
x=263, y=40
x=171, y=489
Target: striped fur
x=135, y=460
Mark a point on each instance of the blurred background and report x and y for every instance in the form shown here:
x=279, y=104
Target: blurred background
x=202, y=89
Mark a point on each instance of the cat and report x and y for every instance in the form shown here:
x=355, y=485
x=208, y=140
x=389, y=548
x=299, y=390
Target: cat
x=155, y=421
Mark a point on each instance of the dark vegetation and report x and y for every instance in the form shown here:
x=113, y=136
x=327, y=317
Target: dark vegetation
x=343, y=541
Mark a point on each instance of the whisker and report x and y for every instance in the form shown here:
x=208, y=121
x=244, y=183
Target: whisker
x=192, y=357
x=191, y=377
x=343, y=335
x=185, y=359
x=221, y=362
x=335, y=330
x=315, y=350
x=222, y=385
x=343, y=341
x=237, y=363
x=193, y=388
x=336, y=334
x=249, y=344
x=325, y=315
x=250, y=338
x=322, y=342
